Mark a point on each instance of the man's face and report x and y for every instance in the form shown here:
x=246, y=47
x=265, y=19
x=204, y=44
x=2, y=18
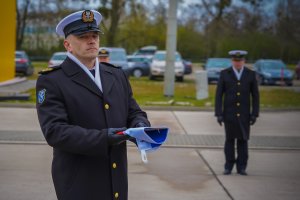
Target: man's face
x=85, y=46
x=238, y=64
x=103, y=59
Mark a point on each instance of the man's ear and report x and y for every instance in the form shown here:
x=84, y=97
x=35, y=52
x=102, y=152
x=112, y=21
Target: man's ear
x=67, y=45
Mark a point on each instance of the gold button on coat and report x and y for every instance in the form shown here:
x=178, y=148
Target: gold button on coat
x=238, y=114
x=238, y=104
x=116, y=195
x=239, y=83
x=238, y=94
x=114, y=165
x=106, y=106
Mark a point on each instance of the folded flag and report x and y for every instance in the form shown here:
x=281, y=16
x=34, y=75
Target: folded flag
x=148, y=138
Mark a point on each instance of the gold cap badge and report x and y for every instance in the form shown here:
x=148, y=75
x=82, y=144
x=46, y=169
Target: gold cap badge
x=87, y=16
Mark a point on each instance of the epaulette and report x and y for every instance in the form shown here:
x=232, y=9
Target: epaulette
x=110, y=65
x=49, y=69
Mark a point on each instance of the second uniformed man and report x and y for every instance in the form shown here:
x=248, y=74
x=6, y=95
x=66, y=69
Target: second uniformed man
x=103, y=55
x=81, y=105
x=237, y=105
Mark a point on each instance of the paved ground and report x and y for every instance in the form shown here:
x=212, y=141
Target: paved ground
x=189, y=167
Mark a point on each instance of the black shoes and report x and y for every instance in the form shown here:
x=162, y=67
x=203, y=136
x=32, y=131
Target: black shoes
x=242, y=172
x=227, y=172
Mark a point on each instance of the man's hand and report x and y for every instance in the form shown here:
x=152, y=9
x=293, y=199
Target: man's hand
x=220, y=120
x=252, y=120
x=114, y=138
x=141, y=124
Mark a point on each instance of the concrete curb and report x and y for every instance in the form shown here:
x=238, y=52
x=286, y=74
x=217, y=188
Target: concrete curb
x=13, y=81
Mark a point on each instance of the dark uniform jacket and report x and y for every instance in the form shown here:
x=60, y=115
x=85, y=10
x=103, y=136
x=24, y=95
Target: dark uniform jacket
x=74, y=117
x=234, y=100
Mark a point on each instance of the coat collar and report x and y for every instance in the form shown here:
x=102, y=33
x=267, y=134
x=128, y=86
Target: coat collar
x=244, y=74
x=79, y=76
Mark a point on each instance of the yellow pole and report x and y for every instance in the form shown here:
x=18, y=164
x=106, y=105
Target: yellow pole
x=7, y=39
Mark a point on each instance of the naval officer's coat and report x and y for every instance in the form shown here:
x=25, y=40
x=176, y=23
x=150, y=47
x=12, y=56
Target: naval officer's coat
x=236, y=100
x=74, y=116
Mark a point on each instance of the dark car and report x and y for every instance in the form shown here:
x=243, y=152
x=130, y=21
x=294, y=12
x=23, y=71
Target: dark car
x=271, y=72
x=297, y=71
x=214, y=66
x=188, y=68
x=23, y=63
x=138, y=66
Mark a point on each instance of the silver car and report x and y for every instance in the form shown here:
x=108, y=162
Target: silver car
x=158, y=66
x=57, y=58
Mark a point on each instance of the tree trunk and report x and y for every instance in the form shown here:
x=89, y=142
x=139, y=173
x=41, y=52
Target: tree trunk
x=21, y=23
x=115, y=14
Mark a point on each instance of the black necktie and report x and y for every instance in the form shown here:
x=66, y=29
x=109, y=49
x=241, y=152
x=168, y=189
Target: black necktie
x=93, y=72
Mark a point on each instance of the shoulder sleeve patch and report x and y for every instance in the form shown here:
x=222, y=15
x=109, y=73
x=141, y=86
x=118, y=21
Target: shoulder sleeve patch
x=49, y=69
x=110, y=65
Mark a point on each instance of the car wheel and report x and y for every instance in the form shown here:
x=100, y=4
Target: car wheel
x=137, y=73
x=289, y=83
x=151, y=77
x=261, y=80
x=29, y=71
x=179, y=78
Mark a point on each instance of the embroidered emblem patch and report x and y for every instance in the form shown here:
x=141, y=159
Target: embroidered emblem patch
x=41, y=96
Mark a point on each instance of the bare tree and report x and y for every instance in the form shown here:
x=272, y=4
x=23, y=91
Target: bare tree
x=22, y=14
x=112, y=11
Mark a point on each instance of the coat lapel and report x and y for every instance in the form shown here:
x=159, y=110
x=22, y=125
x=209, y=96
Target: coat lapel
x=79, y=76
x=232, y=74
x=244, y=74
x=107, y=78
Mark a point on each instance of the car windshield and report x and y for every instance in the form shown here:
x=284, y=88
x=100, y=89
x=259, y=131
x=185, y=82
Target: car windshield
x=18, y=55
x=59, y=57
x=117, y=56
x=145, y=52
x=272, y=65
x=218, y=63
x=162, y=57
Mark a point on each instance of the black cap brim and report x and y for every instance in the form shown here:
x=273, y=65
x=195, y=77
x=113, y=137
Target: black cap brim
x=80, y=32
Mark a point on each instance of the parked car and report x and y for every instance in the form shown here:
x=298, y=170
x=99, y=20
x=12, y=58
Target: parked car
x=158, y=65
x=117, y=57
x=188, y=67
x=147, y=51
x=297, y=71
x=214, y=66
x=270, y=72
x=57, y=58
x=138, y=66
x=23, y=63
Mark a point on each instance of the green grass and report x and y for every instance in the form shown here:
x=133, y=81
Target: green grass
x=146, y=91
x=151, y=93
x=279, y=98
x=38, y=66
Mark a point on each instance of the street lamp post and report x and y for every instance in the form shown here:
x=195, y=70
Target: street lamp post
x=169, y=77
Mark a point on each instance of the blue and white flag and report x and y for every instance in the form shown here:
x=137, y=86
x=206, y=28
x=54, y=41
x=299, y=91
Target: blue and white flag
x=148, y=138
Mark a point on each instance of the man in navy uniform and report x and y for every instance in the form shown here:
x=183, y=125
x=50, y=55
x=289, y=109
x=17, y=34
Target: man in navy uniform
x=237, y=105
x=81, y=105
x=103, y=55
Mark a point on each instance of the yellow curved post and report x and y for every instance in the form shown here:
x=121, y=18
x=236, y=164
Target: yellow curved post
x=7, y=40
